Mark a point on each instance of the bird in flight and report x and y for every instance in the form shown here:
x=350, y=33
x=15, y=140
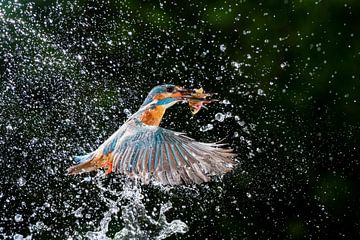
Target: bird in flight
x=141, y=149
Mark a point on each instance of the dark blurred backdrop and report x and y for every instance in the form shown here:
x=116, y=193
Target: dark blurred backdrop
x=287, y=75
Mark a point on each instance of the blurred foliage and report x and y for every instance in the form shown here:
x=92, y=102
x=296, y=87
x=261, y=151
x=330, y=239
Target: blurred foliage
x=289, y=69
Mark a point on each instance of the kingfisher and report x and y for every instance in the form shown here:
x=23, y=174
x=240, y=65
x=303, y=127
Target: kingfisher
x=141, y=149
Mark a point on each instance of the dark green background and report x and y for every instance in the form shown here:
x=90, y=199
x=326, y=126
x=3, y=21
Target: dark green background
x=69, y=69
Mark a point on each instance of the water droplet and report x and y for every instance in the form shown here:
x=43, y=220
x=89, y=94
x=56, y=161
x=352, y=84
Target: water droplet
x=283, y=65
x=225, y=101
x=40, y=225
x=219, y=117
x=127, y=112
x=79, y=57
x=21, y=182
x=34, y=140
x=236, y=65
x=18, y=218
x=222, y=48
x=260, y=92
x=206, y=128
x=87, y=179
x=78, y=212
x=9, y=128
x=18, y=237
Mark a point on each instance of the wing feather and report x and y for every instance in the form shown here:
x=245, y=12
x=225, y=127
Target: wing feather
x=125, y=160
x=135, y=159
x=170, y=157
x=141, y=157
x=151, y=162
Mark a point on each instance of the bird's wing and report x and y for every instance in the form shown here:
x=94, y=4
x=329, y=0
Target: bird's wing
x=170, y=157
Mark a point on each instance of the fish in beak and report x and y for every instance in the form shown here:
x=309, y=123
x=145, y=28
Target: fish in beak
x=196, y=98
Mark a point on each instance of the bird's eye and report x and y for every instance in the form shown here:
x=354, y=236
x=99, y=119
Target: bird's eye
x=170, y=89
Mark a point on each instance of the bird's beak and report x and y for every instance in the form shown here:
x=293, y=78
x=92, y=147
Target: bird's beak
x=191, y=94
x=183, y=93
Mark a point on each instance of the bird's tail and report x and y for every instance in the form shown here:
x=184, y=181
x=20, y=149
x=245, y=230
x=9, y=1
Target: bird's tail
x=90, y=162
x=82, y=167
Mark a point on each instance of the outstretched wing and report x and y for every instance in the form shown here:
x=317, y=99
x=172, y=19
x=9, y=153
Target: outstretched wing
x=170, y=157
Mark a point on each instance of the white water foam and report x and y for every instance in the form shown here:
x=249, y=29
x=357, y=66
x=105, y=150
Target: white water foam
x=138, y=223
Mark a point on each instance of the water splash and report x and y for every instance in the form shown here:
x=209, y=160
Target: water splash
x=138, y=223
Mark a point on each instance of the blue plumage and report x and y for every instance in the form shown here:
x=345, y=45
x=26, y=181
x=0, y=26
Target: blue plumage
x=110, y=147
x=165, y=101
x=83, y=158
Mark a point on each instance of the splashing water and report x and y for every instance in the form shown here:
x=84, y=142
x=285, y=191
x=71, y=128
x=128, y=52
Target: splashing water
x=138, y=223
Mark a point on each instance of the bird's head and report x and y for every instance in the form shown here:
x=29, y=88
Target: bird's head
x=164, y=96
x=167, y=95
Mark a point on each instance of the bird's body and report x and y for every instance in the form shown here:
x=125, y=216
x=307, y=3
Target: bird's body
x=142, y=149
x=153, y=117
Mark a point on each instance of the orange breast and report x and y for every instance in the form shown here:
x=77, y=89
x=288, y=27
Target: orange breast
x=153, y=116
